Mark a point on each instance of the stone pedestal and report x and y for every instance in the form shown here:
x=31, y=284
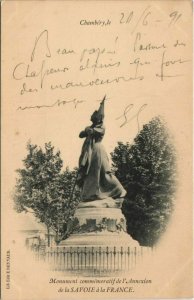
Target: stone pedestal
x=99, y=223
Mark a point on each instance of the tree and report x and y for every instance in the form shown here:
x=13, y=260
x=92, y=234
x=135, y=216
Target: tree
x=43, y=188
x=147, y=170
x=68, y=199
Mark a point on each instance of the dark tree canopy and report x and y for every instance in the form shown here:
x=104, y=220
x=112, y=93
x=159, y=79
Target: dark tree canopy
x=147, y=170
x=45, y=189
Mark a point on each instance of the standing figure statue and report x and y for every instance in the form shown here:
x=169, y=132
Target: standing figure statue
x=95, y=177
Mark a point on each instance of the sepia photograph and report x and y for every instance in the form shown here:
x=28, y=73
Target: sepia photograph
x=96, y=130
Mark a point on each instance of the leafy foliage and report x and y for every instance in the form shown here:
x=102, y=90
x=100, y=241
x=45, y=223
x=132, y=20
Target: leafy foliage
x=147, y=170
x=43, y=188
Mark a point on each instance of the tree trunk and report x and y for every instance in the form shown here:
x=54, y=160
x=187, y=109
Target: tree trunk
x=48, y=234
x=57, y=237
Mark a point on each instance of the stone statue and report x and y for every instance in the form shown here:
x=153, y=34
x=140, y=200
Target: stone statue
x=95, y=177
x=98, y=219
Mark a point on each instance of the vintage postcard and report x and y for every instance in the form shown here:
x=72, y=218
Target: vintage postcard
x=96, y=186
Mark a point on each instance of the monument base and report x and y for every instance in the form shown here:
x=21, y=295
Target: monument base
x=99, y=223
x=101, y=239
x=99, y=244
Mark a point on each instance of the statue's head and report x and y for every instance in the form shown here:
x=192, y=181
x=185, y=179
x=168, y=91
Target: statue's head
x=98, y=116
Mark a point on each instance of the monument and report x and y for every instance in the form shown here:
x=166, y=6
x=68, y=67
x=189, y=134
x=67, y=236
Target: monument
x=98, y=220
